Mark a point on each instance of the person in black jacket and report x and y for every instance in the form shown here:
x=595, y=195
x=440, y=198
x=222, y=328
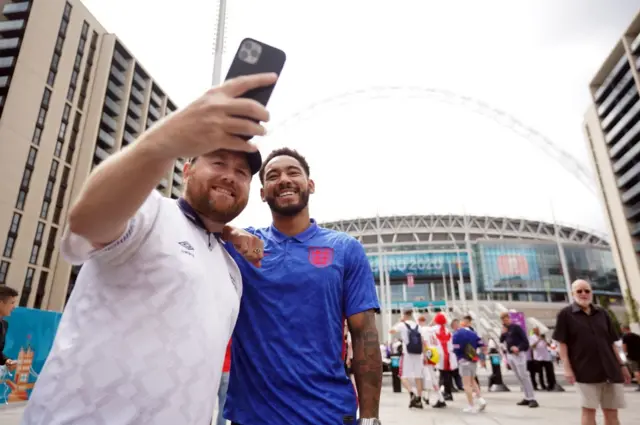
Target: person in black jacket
x=8, y=300
x=517, y=344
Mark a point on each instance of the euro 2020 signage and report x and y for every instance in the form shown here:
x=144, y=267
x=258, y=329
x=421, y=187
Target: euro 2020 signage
x=420, y=264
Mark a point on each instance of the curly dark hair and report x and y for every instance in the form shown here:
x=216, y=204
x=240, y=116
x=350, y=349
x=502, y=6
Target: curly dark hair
x=285, y=152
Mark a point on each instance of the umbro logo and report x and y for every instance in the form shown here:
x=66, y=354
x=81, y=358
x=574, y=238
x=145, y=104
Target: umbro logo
x=186, y=245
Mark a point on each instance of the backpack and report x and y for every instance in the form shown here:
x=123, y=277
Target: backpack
x=414, y=343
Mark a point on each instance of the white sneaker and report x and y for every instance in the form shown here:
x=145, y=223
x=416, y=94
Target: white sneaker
x=481, y=404
x=470, y=409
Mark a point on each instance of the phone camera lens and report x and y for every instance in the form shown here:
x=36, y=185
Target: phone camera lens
x=243, y=54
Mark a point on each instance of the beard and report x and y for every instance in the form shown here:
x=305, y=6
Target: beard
x=217, y=212
x=292, y=209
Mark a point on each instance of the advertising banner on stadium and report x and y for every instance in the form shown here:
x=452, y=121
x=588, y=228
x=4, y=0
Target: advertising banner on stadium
x=29, y=340
x=430, y=264
x=507, y=268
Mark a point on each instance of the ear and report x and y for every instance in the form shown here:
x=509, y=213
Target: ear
x=262, y=194
x=312, y=186
x=187, y=168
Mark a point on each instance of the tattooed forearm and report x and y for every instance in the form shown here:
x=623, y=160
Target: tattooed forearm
x=367, y=362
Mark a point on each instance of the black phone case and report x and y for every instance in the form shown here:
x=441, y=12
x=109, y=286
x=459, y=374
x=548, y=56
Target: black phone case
x=270, y=60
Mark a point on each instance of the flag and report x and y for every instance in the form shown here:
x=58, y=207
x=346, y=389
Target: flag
x=410, y=281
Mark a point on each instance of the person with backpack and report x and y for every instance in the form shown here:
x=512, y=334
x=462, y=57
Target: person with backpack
x=411, y=367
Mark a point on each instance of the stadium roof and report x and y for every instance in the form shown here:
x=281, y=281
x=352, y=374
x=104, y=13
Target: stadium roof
x=451, y=229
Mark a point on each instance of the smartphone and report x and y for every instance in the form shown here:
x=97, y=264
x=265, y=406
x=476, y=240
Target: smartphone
x=255, y=57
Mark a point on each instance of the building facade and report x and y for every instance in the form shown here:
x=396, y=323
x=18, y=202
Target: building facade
x=431, y=259
x=612, y=132
x=71, y=94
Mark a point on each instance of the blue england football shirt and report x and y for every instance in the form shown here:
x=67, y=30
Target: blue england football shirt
x=286, y=365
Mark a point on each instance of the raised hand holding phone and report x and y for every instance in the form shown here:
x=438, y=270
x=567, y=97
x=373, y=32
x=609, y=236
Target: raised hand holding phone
x=219, y=119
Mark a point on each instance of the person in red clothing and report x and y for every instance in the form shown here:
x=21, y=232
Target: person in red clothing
x=224, y=385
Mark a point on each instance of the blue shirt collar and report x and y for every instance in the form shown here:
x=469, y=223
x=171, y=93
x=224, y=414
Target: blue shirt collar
x=307, y=234
x=192, y=215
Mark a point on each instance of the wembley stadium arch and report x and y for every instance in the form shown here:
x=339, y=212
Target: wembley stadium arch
x=552, y=149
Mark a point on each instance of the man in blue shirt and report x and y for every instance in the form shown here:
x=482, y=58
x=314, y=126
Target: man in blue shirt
x=287, y=352
x=465, y=346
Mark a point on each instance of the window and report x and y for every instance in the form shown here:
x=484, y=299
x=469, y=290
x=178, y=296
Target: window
x=51, y=78
x=4, y=270
x=37, y=134
x=63, y=28
x=8, y=246
x=39, y=232
x=15, y=224
x=62, y=131
x=46, y=98
x=22, y=197
x=31, y=159
x=44, y=211
x=85, y=29
x=26, y=179
x=42, y=285
x=48, y=253
x=70, y=93
x=81, y=44
x=35, y=250
x=48, y=192
x=66, y=112
x=67, y=11
x=26, y=289
x=53, y=170
x=58, y=150
x=55, y=61
x=59, y=45
x=42, y=115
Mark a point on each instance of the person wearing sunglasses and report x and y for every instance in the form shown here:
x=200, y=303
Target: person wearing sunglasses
x=587, y=338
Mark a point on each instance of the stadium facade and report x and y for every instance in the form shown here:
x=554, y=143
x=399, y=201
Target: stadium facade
x=430, y=260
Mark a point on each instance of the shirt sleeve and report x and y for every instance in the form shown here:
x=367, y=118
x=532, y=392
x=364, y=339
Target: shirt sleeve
x=359, y=285
x=561, y=333
x=77, y=250
x=613, y=334
x=456, y=342
x=524, y=339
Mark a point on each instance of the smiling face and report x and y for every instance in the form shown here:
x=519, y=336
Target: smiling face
x=217, y=185
x=286, y=187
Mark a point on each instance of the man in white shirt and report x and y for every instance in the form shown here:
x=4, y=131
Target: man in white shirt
x=542, y=357
x=431, y=359
x=411, y=362
x=143, y=336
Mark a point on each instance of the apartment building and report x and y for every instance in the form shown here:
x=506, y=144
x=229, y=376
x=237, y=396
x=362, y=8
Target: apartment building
x=71, y=94
x=612, y=130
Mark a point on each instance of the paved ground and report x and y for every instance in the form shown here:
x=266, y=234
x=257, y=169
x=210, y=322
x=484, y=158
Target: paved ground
x=501, y=410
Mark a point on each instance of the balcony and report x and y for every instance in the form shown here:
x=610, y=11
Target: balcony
x=132, y=124
x=621, y=66
x=6, y=65
x=4, y=82
x=177, y=178
x=128, y=138
x=9, y=44
x=175, y=191
x=134, y=110
x=100, y=155
x=13, y=28
x=630, y=138
x=137, y=95
x=117, y=75
x=1, y=101
x=178, y=166
x=111, y=106
x=156, y=98
x=120, y=60
x=16, y=10
x=109, y=122
x=117, y=92
x=164, y=183
x=139, y=81
x=155, y=114
x=635, y=45
x=106, y=140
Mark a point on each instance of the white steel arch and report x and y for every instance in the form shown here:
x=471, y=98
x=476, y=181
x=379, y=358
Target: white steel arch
x=581, y=172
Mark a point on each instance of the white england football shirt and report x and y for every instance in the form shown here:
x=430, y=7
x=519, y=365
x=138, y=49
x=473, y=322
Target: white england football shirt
x=143, y=336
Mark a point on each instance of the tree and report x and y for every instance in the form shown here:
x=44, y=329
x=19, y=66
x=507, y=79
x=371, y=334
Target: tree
x=634, y=315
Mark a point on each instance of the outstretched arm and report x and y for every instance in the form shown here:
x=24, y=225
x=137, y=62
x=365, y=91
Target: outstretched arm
x=367, y=362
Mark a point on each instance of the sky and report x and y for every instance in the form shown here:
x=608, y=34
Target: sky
x=421, y=136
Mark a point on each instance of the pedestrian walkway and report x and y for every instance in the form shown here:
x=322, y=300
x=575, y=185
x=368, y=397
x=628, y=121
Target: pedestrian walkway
x=561, y=408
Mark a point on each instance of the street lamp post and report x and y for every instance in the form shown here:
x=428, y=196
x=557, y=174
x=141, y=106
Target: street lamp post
x=219, y=42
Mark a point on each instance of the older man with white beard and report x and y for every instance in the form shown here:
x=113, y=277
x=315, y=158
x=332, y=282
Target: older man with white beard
x=587, y=347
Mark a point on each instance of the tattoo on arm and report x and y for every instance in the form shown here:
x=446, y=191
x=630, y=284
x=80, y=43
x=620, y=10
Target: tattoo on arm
x=367, y=362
